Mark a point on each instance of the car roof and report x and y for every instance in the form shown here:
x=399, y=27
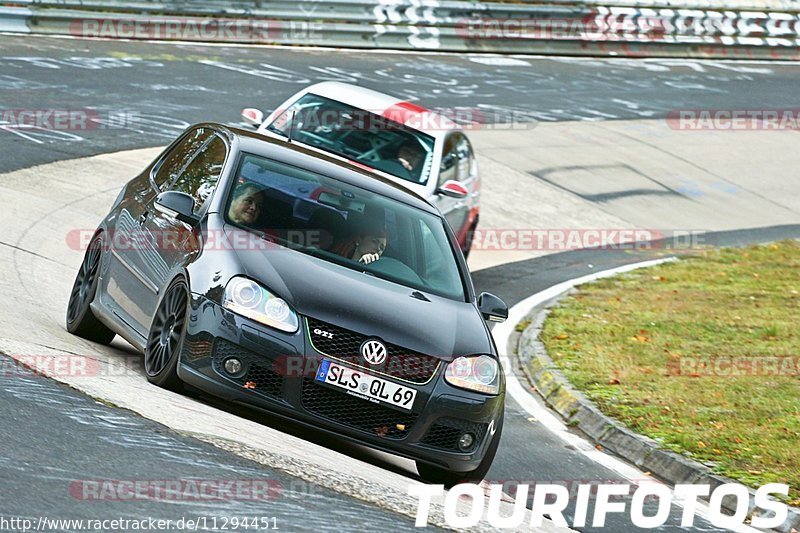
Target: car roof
x=298, y=155
x=408, y=113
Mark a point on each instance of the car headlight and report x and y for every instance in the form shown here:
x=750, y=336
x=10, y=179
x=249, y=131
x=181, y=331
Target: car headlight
x=479, y=373
x=248, y=298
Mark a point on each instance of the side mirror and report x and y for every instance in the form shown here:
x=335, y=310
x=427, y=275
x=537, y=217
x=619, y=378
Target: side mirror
x=492, y=308
x=252, y=116
x=178, y=205
x=453, y=189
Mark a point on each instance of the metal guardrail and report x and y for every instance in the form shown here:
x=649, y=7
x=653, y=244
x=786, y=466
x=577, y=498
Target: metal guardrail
x=568, y=27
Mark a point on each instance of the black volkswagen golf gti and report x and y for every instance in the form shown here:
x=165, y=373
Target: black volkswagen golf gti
x=269, y=275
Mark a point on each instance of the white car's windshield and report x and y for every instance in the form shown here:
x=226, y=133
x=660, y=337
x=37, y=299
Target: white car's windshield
x=359, y=135
x=344, y=224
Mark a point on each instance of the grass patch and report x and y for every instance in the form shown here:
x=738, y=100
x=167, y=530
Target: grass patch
x=523, y=325
x=651, y=348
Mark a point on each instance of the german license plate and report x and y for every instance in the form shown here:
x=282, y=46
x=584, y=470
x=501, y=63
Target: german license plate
x=365, y=386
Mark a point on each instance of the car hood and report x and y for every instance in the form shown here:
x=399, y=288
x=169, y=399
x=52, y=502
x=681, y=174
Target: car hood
x=365, y=304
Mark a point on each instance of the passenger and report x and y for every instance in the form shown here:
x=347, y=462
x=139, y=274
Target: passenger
x=248, y=200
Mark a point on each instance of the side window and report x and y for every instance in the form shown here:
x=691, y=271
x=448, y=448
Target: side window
x=449, y=166
x=436, y=270
x=180, y=156
x=465, y=158
x=193, y=166
x=431, y=256
x=199, y=178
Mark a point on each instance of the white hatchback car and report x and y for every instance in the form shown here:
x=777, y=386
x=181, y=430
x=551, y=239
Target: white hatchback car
x=420, y=149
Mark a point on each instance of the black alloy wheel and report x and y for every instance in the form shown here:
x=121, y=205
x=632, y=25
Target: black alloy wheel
x=80, y=318
x=166, y=337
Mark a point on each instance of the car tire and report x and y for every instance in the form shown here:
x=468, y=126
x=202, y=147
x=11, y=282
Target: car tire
x=80, y=319
x=165, y=339
x=441, y=476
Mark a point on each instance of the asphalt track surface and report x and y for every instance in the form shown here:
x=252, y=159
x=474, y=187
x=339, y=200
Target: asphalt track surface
x=153, y=91
x=148, y=92
x=60, y=446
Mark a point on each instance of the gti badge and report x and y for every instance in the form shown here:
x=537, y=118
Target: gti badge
x=323, y=333
x=374, y=352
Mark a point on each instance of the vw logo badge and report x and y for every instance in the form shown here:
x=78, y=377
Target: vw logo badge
x=374, y=352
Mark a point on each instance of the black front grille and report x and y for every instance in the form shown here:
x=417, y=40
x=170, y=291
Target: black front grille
x=260, y=375
x=356, y=412
x=445, y=432
x=346, y=345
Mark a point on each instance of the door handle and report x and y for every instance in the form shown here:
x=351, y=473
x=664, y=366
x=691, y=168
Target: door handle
x=143, y=218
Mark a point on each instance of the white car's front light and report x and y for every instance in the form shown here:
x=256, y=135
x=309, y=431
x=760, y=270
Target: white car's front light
x=479, y=373
x=249, y=299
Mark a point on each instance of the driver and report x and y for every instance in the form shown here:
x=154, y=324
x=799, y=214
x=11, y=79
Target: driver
x=409, y=155
x=248, y=200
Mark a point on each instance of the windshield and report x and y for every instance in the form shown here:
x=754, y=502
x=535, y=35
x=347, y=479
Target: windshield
x=358, y=135
x=339, y=223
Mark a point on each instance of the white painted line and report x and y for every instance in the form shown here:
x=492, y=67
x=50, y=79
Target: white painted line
x=534, y=406
x=496, y=61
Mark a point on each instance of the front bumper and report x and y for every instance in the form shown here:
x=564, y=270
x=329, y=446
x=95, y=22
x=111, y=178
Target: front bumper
x=279, y=377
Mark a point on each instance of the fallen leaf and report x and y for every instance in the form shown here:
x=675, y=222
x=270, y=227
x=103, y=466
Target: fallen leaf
x=250, y=385
x=701, y=444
